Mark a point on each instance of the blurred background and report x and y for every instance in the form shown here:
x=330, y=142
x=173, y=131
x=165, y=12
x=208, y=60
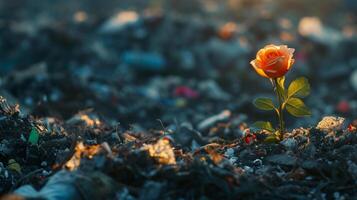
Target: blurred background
x=136, y=61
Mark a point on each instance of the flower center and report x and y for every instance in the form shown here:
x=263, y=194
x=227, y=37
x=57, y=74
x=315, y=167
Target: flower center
x=272, y=55
x=274, y=60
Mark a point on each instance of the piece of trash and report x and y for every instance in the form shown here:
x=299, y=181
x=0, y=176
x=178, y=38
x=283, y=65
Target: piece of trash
x=80, y=16
x=207, y=123
x=184, y=91
x=313, y=28
x=119, y=21
x=81, y=150
x=13, y=165
x=249, y=137
x=282, y=159
x=34, y=136
x=343, y=106
x=161, y=151
x=72, y=186
x=86, y=119
x=330, y=123
x=226, y=32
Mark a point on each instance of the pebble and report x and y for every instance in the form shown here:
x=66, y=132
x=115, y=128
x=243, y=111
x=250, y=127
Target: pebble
x=282, y=159
x=309, y=164
x=229, y=152
x=248, y=169
x=144, y=60
x=289, y=143
x=233, y=160
x=43, y=163
x=257, y=162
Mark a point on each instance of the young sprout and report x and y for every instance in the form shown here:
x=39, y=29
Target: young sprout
x=273, y=62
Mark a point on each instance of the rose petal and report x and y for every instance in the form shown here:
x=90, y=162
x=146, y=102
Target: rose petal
x=257, y=69
x=273, y=60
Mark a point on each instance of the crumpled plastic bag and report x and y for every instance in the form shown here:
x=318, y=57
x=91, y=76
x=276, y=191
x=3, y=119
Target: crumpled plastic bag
x=74, y=185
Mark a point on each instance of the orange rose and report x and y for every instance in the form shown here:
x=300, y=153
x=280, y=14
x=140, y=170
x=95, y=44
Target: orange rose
x=273, y=61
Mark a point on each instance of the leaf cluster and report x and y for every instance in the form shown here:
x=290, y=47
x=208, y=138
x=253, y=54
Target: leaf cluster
x=291, y=101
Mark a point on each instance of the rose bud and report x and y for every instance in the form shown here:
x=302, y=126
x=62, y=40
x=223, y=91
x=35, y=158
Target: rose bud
x=273, y=61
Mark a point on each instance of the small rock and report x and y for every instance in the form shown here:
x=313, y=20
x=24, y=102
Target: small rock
x=248, y=169
x=233, y=160
x=187, y=136
x=310, y=150
x=144, y=60
x=336, y=195
x=282, y=159
x=289, y=143
x=310, y=164
x=229, y=152
x=43, y=163
x=257, y=162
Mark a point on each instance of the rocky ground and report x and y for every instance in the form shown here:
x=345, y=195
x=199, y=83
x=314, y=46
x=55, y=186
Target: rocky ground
x=153, y=100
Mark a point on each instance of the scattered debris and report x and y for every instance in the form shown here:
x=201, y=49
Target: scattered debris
x=80, y=151
x=289, y=143
x=162, y=152
x=282, y=159
x=83, y=89
x=207, y=123
x=329, y=124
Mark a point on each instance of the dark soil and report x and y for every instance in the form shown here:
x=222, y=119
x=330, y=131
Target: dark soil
x=153, y=100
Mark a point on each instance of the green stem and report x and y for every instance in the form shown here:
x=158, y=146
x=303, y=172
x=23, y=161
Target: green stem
x=280, y=108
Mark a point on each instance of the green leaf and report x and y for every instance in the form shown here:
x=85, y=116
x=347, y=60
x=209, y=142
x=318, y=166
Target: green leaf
x=13, y=165
x=300, y=87
x=264, y=126
x=34, y=136
x=264, y=103
x=297, y=108
x=271, y=139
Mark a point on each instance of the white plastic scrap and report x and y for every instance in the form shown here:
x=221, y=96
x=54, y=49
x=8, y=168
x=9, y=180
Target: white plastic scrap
x=120, y=20
x=212, y=120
